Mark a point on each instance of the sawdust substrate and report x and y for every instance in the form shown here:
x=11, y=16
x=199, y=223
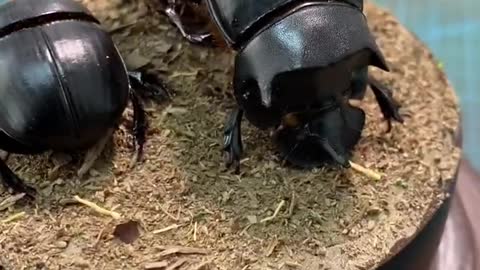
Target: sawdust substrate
x=331, y=219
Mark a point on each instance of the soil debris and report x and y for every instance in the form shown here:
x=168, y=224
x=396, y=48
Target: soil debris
x=180, y=250
x=156, y=265
x=275, y=214
x=166, y=229
x=10, y=201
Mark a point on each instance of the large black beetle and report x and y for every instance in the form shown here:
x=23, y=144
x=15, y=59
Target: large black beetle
x=297, y=65
x=63, y=83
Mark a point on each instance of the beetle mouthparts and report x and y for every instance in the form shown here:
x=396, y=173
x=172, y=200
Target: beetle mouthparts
x=290, y=120
x=318, y=137
x=336, y=155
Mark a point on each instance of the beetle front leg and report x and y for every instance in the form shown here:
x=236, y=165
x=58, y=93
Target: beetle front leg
x=11, y=180
x=388, y=105
x=148, y=85
x=93, y=153
x=175, y=17
x=232, y=139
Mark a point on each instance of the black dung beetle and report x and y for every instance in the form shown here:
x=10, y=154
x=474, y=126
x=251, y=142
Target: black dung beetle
x=63, y=83
x=297, y=65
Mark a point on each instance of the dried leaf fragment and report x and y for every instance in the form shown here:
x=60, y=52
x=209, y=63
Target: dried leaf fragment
x=275, y=214
x=183, y=74
x=10, y=201
x=201, y=266
x=181, y=250
x=177, y=264
x=156, y=265
x=290, y=264
x=365, y=171
x=13, y=217
x=97, y=208
x=166, y=229
x=272, y=247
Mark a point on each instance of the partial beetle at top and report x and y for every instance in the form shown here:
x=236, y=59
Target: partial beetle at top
x=297, y=65
x=63, y=84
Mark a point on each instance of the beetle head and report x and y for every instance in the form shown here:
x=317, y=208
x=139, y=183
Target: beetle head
x=304, y=62
x=304, y=44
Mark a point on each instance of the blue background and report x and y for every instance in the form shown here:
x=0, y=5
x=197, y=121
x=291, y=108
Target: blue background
x=452, y=31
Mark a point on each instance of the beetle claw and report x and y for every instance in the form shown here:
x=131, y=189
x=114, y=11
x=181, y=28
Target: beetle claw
x=232, y=140
x=11, y=180
x=149, y=85
x=389, y=126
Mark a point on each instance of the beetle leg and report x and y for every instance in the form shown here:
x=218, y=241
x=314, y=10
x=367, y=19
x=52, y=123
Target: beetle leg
x=148, y=85
x=139, y=124
x=232, y=139
x=93, y=153
x=388, y=105
x=11, y=180
x=175, y=18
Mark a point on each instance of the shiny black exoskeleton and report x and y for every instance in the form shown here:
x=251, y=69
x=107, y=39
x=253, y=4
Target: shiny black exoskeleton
x=298, y=63
x=63, y=83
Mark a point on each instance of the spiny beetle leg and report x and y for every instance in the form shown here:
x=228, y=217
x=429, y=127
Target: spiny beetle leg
x=176, y=18
x=388, y=105
x=139, y=123
x=11, y=180
x=232, y=139
x=149, y=85
x=93, y=154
